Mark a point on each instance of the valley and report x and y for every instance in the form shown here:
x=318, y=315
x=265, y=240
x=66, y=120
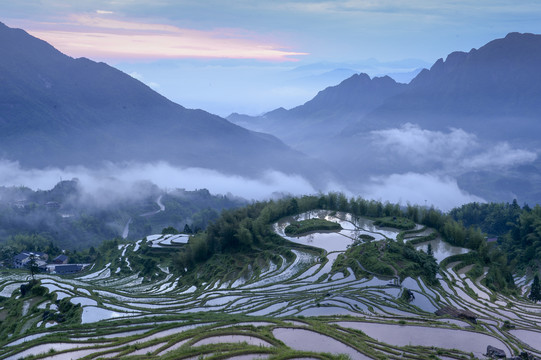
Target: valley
x=291, y=257
x=296, y=306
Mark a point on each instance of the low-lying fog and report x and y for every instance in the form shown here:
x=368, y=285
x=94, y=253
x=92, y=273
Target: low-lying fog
x=114, y=182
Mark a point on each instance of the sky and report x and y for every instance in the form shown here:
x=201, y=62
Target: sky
x=251, y=56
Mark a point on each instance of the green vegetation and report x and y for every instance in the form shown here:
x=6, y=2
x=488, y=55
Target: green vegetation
x=66, y=217
x=306, y=226
x=388, y=258
x=170, y=230
x=395, y=222
x=240, y=245
x=247, y=230
x=518, y=233
x=535, y=291
x=366, y=237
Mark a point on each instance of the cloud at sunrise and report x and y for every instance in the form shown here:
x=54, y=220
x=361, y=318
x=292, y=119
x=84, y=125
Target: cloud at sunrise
x=101, y=35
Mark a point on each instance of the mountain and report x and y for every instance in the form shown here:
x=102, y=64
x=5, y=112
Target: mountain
x=376, y=127
x=327, y=113
x=493, y=90
x=60, y=111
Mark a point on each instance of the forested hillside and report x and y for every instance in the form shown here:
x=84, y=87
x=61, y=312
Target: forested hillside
x=67, y=217
x=246, y=231
x=517, y=230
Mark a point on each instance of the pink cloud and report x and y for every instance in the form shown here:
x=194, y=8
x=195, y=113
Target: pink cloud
x=101, y=37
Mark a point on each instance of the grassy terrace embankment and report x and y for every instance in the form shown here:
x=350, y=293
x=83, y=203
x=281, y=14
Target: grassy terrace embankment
x=310, y=225
x=396, y=222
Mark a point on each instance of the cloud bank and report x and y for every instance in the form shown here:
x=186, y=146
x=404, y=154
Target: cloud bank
x=422, y=189
x=453, y=152
x=118, y=181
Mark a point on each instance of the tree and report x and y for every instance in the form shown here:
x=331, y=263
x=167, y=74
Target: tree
x=535, y=292
x=169, y=230
x=429, y=250
x=33, y=265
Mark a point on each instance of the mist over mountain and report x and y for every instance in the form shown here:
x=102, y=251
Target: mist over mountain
x=327, y=113
x=471, y=119
x=56, y=111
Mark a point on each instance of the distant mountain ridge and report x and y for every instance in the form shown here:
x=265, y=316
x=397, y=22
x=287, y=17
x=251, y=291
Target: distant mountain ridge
x=498, y=83
x=495, y=89
x=328, y=112
x=60, y=111
x=493, y=94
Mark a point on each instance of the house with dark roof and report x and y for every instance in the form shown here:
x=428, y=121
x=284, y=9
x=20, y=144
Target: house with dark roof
x=52, y=205
x=63, y=269
x=23, y=259
x=61, y=259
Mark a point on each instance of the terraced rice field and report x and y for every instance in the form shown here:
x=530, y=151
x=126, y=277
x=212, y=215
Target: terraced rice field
x=294, y=309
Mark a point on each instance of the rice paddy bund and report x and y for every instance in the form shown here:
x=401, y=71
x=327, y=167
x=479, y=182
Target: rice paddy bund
x=292, y=308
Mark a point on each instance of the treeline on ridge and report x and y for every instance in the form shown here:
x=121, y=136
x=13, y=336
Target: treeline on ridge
x=249, y=228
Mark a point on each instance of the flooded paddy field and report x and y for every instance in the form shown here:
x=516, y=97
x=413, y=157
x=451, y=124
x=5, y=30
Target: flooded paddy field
x=294, y=306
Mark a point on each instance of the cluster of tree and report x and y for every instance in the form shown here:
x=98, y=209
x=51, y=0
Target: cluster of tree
x=494, y=219
x=32, y=243
x=518, y=230
x=196, y=209
x=248, y=228
x=535, y=290
x=305, y=226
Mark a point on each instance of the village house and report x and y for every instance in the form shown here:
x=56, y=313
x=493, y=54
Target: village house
x=23, y=259
x=61, y=259
x=68, y=268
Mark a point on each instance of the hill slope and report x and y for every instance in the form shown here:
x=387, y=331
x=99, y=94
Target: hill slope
x=58, y=111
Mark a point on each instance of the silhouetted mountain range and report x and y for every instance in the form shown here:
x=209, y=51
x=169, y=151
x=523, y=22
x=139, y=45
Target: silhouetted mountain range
x=492, y=94
x=494, y=90
x=327, y=113
x=59, y=111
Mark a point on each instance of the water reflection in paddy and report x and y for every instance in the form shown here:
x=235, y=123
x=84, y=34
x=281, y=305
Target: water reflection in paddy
x=325, y=311
x=423, y=303
x=531, y=338
x=428, y=336
x=306, y=340
x=334, y=241
x=43, y=348
x=441, y=249
x=328, y=241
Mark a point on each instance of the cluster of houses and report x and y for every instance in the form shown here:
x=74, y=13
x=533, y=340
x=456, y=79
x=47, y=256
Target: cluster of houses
x=59, y=265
